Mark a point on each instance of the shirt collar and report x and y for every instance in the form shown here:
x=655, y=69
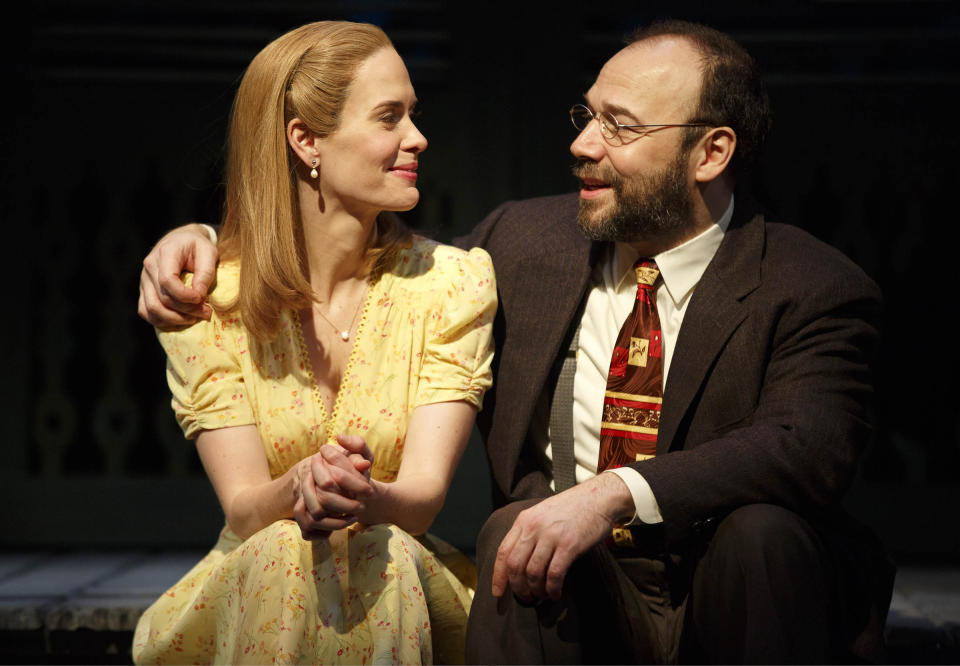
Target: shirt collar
x=680, y=267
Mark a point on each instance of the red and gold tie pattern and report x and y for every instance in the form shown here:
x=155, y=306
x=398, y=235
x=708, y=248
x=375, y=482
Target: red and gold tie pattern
x=631, y=406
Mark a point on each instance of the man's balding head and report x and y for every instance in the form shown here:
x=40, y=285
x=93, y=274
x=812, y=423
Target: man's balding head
x=732, y=93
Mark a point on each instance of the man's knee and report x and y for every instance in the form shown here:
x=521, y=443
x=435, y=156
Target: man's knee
x=501, y=630
x=496, y=528
x=755, y=533
x=761, y=556
x=761, y=592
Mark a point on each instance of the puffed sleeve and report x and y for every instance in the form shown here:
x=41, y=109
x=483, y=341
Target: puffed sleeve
x=459, y=347
x=205, y=376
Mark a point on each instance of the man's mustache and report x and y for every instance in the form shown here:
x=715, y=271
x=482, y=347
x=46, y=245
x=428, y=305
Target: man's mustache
x=587, y=169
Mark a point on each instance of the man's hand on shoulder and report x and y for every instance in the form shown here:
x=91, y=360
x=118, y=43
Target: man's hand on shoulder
x=165, y=301
x=545, y=539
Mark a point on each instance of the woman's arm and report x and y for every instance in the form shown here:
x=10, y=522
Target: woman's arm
x=436, y=438
x=327, y=482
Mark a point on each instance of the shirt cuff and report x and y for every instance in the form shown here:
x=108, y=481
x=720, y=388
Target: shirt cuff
x=211, y=232
x=647, y=509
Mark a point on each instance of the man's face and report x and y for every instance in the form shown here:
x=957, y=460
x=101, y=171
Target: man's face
x=639, y=188
x=654, y=205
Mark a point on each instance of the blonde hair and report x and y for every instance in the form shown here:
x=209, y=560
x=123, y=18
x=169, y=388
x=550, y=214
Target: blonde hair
x=303, y=74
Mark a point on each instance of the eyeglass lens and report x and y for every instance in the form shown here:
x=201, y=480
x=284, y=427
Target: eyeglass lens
x=581, y=117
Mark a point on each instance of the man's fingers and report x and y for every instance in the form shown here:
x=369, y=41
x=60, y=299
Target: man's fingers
x=198, y=257
x=173, y=291
x=535, y=571
x=151, y=309
x=163, y=292
x=533, y=558
x=529, y=539
x=501, y=574
x=204, y=267
x=174, y=303
x=557, y=572
x=517, y=568
x=166, y=302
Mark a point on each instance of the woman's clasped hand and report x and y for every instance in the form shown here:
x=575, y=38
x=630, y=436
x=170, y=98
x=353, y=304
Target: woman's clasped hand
x=330, y=486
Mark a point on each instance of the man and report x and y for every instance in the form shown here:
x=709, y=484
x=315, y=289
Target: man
x=714, y=368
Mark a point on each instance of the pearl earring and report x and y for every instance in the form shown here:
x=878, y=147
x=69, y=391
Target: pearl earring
x=313, y=172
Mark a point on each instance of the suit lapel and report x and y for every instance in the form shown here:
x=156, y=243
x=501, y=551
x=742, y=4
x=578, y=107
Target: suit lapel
x=716, y=309
x=551, y=277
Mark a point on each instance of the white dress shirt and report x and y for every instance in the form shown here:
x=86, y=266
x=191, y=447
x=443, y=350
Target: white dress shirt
x=609, y=302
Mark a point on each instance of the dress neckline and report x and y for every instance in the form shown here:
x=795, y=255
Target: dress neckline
x=330, y=418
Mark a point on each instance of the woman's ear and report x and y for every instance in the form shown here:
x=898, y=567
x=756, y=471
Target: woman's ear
x=304, y=144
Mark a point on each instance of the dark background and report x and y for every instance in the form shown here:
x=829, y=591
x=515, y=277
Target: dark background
x=111, y=132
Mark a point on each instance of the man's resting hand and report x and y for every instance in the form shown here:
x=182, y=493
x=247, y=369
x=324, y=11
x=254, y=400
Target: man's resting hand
x=545, y=539
x=165, y=301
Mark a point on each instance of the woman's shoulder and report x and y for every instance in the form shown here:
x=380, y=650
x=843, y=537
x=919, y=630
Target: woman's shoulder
x=222, y=294
x=428, y=263
x=227, y=286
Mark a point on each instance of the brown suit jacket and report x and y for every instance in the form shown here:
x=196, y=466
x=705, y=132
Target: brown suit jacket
x=769, y=392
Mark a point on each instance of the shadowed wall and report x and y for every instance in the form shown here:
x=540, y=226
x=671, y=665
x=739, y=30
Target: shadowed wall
x=112, y=132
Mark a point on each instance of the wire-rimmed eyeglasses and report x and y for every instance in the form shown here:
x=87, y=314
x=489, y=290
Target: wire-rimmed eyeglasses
x=581, y=115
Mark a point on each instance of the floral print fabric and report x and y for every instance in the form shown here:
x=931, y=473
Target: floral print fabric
x=370, y=594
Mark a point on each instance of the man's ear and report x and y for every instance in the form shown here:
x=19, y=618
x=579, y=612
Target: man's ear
x=713, y=153
x=303, y=141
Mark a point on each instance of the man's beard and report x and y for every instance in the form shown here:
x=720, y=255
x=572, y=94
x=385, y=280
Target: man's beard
x=644, y=207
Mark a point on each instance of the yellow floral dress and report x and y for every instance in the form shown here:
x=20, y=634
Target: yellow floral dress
x=368, y=594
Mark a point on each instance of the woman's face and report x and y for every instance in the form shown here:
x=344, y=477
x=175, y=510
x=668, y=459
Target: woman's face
x=369, y=163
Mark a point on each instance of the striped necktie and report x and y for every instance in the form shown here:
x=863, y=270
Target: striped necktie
x=631, y=405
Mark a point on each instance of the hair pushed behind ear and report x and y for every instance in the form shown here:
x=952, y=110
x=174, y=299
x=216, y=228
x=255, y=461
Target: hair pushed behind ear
x=305, y=73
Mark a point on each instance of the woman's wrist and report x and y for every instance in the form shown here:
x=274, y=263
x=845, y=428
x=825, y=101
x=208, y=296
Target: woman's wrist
x=255, y=507
x=411, y=504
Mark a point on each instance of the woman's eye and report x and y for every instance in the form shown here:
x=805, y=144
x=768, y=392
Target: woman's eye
x=390, y=118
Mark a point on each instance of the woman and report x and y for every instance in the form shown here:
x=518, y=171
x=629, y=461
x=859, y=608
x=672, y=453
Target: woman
x=336, y=382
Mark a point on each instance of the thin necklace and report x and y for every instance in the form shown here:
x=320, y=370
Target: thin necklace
x=345, y=333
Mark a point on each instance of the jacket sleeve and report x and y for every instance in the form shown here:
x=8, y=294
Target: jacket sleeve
x=527, y=479
x=799, y=368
